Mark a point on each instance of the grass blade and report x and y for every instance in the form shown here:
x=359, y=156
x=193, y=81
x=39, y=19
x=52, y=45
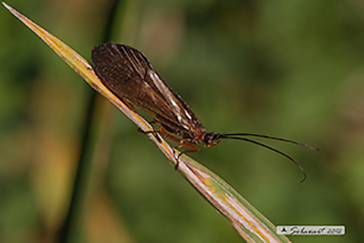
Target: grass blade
x=248, y=221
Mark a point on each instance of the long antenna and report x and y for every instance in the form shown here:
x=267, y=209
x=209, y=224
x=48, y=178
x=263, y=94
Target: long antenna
x=268, y=137
x=230, y=136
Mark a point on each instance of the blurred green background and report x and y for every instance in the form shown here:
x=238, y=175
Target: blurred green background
x=292, y=69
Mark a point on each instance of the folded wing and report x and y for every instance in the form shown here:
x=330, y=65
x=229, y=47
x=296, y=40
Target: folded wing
x=129, y=75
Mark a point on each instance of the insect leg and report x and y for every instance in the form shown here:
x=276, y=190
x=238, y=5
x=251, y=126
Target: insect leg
x=185, y=144
x=182, y=143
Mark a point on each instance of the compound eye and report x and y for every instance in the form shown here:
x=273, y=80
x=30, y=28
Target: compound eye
x=209, y=139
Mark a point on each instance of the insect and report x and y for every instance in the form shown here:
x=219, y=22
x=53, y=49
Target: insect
x=129, y=75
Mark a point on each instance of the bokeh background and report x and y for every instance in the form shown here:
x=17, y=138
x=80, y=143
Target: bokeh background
x=293, y=69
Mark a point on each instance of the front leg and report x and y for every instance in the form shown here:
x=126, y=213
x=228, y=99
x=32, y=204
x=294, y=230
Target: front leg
x=183, y=143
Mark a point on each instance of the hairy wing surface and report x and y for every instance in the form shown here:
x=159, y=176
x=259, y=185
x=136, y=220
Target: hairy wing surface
x=129, y=75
